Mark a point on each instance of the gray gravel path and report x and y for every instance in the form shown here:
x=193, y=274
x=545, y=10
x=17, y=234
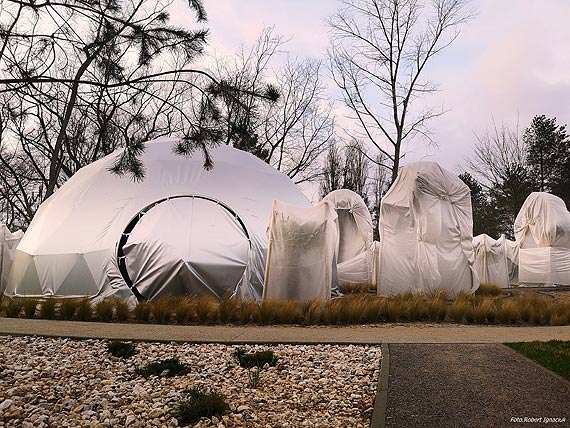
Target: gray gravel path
x=460, y=386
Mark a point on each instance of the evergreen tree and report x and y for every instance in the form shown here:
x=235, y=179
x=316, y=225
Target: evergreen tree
x=548, y=156
x=484, y=212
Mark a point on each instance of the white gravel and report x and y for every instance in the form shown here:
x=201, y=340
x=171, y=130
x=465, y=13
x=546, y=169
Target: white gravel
x=72, y=383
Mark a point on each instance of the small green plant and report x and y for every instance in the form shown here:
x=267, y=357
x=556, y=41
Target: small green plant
x=121, y=349
x=142, y=311
x=104, y=310
x=30, y=306
x=68, y=308
x=84, y=310
x=200, y=404
x=255, y=359
x=13, y=308
x=122, y=309
x=165, y=368
x=162, y=309
x=253, y=376
x=47, y=309
x=183, y=310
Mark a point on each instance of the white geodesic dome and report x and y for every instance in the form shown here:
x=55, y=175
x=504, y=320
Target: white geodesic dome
x=426, y=233
x=181, y=230
x=542, y=232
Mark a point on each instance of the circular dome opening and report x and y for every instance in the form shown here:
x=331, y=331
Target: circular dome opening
x=184, y=245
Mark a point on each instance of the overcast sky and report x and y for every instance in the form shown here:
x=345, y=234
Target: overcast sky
x=511, y=61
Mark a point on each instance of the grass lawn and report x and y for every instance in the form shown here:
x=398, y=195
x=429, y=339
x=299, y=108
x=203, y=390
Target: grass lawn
x=554, y=354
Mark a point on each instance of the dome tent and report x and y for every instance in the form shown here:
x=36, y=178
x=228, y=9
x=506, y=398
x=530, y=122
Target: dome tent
x=181, y=230
x=426, y=233
x=492, y=260
x=542, y=232
x=356, y=250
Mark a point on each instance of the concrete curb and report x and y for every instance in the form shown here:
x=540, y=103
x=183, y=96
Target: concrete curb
x=378, y=419
x=357, y=335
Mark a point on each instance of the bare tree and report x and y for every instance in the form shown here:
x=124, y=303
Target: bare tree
x=291, y=133
x=378, y=56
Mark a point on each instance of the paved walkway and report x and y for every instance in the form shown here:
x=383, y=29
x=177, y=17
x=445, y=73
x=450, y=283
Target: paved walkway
x=389, y=333
x=474, y=385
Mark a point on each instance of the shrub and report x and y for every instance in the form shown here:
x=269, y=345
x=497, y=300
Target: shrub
x=248, y=311
x=268, y=311
x=288, y=312
x=203, y=305
x=436, y=309
x=183, y=310
x=121, y=349
x=104, y=310
x=459, y=310
x=47, y=309
x=228, y=309
x=13, y=308
x=166, y=368
x=393, y=310
x=30, y=306
x=84, y=310
x=507, y=312
x=122, y=310
x=310, y=311
x=68, y=308
x=162, y=309
x=255, y=359
x=200, y=404
x=142, y=311
x=491, y=290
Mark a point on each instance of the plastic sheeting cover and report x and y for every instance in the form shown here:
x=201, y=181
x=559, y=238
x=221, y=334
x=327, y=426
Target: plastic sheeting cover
x=546, y=266
x=70, y=248
x=361, y=269
x=491, y=260
x=426, y=233
x=8, y=243
x=354, y=222
x=301, y=258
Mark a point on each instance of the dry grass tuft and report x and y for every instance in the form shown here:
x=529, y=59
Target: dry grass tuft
x=490, y=290
x=142, y=311
x=122, y=309
x=183, y=310
x=68, y=308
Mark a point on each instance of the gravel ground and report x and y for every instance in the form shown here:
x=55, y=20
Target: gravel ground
x=76, y=383
x=472, y=386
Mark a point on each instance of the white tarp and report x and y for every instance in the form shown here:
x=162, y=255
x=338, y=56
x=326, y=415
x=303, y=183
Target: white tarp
x=512, y=261
x=362, y=269
x=491, y=262
x=8, y=243
x=542, y=231
x=180, y=230
x=354, y=223
x=301, y=260
x=426, y=233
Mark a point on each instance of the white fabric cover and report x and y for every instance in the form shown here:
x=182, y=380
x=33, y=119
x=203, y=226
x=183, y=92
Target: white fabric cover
x=301, y=257
x=491, y=261
x=542, y=230
x=354, y=223
x=8, y=243
x=426, y=233
x=361, y=269
x=512, y=248
x=194, y=230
